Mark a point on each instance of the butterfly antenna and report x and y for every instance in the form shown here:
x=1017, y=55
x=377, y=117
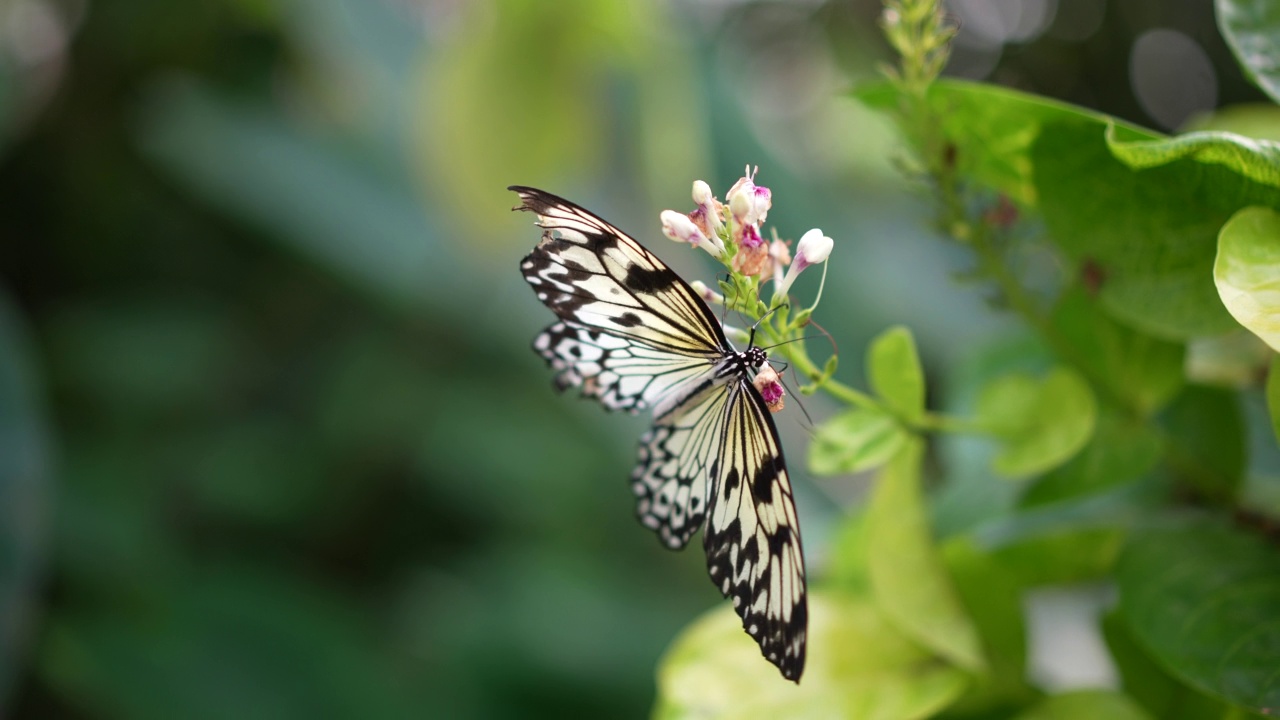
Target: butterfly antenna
x=751, y=339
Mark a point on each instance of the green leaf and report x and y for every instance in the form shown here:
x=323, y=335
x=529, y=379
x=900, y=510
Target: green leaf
x=1161, y=694
x=1247, y=271
x=1252, y=29
x=1071, y=540
x=1203, y=599
x=1091, y=704
x=858, y=667
x=1258, y=160
x=858, y=439
x=1273, y=395
x=1040, y=424
x=908, y=579
x=1151, y=236
x=25, y=494
x=1206, y=445
x=1121, y=450
x=1140, y=371
x=994, y=129
x=894, y=372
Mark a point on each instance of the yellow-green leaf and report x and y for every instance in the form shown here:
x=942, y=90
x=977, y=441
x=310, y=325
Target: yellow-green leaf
x=1247, y=271
x=859, y=667
x=908, y=579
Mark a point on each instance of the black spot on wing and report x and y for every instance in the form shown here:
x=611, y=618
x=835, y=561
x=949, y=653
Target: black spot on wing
x=762, y=484
x=655, y=280
x=628, y=319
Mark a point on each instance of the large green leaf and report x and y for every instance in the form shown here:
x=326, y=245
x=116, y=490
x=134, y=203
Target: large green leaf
x=1039, y=423
x=894, y=372
x=1163, y=695
x=1247, y=271
x=1074, y=540
x=1207, y=444
x=857, y=439
x=1139, y=371
x=858, y=667
x=25, y=494
x=908, y=579
x=994, y=129
x=1203, y=599
x=1252, y=29
x=1152, y=235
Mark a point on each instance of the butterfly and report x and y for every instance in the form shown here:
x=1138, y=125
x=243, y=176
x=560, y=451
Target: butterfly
x=635, y=336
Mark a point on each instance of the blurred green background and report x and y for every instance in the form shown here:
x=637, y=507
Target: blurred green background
x=272, y=442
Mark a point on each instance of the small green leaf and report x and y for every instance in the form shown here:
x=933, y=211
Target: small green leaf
x=1091, y=704
x=858, y=439
x=910, y=584
x=1247, y=271
x=1252, y=29
x=1273, y=394
x=894, y=372
x=1041, y=424
x=858, y=667
x=1206, y=445
x=1203, y=599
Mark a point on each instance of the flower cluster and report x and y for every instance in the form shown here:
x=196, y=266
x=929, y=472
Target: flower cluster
x=730, y=232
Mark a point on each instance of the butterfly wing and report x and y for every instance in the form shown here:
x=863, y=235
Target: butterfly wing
x=621, y=373
x=752, y=533
x=593, y=275
x=675, y=466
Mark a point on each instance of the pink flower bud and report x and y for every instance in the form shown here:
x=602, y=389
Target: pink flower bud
x=770, y=387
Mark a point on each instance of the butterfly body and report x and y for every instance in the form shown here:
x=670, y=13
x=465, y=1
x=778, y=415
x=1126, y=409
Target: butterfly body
x=635, y=336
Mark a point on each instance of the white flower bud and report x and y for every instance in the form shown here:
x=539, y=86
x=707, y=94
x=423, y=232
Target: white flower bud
x=814, y=248
x=680, y=228
x=702, y=193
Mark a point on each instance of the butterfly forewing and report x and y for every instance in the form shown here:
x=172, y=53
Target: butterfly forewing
x=590, y=273
x=635, y=336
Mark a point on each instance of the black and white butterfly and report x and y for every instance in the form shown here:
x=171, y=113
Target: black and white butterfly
x=635, y=336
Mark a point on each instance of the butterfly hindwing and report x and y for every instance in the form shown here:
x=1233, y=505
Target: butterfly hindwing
x=752, y=536
x=621, y=373
x=671, y=480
